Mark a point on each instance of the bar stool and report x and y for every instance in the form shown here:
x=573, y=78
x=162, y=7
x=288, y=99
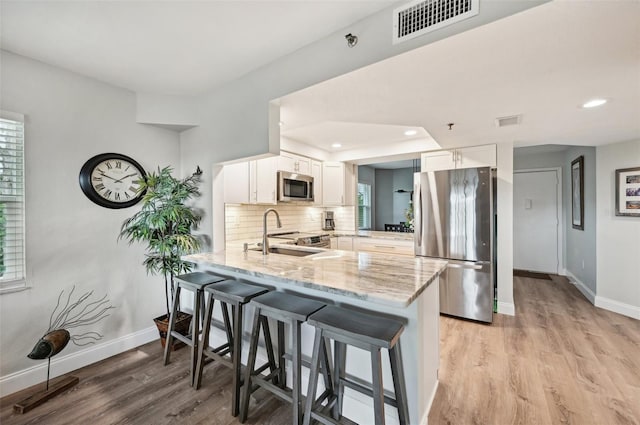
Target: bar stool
x=236, y=294
x=194, y=282
x=285, y=308
x=369, y=332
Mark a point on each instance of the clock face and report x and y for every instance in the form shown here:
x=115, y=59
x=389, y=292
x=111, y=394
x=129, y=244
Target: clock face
x=112, y=180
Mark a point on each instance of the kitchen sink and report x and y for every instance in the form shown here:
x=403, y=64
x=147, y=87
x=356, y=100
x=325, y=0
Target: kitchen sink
x=288, y=251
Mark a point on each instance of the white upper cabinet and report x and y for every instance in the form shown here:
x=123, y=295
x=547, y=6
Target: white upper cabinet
x=236, y=183
x=316, y=173
x=251, y=182
x=338, y=184
x=294, y=163
x=471, y=157
x=263, y=180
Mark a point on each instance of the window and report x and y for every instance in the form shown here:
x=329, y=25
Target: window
x=364, y=206
x=12, y=262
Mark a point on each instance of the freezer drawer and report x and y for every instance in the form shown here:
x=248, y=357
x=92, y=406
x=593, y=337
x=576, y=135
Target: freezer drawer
x=466, y=290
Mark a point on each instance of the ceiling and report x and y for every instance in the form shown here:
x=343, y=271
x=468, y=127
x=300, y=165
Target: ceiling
x=542, y=64
x=171, y=47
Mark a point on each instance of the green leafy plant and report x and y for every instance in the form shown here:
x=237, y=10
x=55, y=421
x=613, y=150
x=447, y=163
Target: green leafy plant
x=165, y=223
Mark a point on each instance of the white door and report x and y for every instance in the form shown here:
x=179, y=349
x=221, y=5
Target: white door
x=536, y=220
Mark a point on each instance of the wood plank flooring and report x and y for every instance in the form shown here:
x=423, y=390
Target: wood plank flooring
x=559, y=361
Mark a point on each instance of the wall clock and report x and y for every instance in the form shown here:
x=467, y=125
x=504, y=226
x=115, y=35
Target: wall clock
x=111, y=180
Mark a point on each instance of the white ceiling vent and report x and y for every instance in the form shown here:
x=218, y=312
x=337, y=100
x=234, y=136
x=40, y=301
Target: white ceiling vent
x=422, y=16
x=507, y=121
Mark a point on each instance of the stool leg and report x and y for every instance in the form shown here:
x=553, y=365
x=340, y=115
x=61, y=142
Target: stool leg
x=282, y=374
x=227, y=325
x=268, y=344
x=236, y=358
x=399, y=386
x=206, y=328
x=251, y=362
x=296, y=355
x=339, y=363
x=313, y=377
x=327, y=369
x=378, y=390
x=195, y=335
x=172, y=323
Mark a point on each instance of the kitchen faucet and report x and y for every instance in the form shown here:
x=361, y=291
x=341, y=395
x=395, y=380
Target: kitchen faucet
x=265, y=240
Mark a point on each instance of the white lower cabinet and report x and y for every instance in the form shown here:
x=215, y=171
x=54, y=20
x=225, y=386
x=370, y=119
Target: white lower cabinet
x=345, y=243
x=389, y=246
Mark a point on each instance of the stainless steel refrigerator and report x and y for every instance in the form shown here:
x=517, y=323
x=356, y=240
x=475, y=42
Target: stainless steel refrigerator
x=454, y=220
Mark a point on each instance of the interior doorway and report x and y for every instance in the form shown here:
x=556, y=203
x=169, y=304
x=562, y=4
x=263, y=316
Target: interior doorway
x=537, y=220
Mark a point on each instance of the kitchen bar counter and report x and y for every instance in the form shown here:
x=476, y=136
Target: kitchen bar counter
x=403, y=287
x=379, y=278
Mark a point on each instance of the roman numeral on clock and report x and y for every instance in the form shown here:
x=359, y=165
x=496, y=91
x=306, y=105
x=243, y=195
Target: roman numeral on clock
x=99, y=187
x=117, y=196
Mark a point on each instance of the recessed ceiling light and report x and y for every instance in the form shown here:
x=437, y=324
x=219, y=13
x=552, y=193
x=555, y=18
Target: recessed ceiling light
x=410, y=132
x=280, y=123
x=594, y=102
x=336, y=145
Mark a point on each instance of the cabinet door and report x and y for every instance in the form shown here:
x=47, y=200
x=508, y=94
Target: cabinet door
x=440, y=160
x=316, y=173
x=236, y=183
x=345, y=243
x=476, y=156
x=397, y=247
x=264, y=180
x=286, y=162
x=333, y=183
x=294, y=163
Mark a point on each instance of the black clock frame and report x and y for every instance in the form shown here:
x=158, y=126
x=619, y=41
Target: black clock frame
x=90, y=192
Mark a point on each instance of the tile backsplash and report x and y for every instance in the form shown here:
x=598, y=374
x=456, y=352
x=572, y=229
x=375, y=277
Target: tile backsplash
x=244, y=222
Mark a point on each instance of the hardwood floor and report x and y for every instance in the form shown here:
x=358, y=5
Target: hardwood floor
x=559, y=361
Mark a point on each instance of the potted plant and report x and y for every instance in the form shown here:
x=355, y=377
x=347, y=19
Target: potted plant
x=164, y=223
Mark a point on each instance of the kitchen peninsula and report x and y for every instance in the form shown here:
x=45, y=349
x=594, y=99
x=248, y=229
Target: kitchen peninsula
x=401, y=286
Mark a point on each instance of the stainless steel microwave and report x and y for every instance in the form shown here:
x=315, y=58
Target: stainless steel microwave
x=294, y=187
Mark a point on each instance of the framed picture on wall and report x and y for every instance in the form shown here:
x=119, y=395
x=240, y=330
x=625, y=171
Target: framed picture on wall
x=577, y=193
x=628, y=192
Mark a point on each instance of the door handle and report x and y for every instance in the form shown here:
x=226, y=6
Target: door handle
x=465, y=266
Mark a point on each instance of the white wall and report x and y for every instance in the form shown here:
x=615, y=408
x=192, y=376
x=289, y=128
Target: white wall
x=618, y=248
x=70, y=240
x=580, y=256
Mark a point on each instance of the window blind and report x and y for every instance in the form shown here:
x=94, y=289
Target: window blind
x=364, y=206
x=12, y=252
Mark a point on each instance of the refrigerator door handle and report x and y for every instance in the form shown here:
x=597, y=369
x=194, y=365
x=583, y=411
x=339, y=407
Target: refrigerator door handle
x=474, y=266
x=417, y=210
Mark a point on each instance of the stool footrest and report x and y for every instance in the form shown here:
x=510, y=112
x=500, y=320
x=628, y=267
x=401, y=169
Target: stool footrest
x=283, y=393
x=186, y=339
x=367, y=391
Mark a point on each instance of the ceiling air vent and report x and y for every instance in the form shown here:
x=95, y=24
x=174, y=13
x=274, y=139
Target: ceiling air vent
x=507, y=121
x=420, y=17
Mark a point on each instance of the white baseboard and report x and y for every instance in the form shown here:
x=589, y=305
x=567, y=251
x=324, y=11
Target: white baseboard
x=425, y=418
x=506, y=308
x=605, y=303
x=64, y=364
x=584, y=289
x=618, y=307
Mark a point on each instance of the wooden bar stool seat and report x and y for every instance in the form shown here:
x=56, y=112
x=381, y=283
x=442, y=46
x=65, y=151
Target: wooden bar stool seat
x=285, y=309
x=236, y=294
x=367, y=331
x=196, y=283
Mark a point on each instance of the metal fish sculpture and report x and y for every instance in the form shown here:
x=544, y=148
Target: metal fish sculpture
x=72, y=315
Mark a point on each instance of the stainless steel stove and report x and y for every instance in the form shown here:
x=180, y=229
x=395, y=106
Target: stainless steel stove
x=320, y=240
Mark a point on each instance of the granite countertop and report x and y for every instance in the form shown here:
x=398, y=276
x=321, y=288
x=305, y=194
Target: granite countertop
x=402, y=236
x=391, y=280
